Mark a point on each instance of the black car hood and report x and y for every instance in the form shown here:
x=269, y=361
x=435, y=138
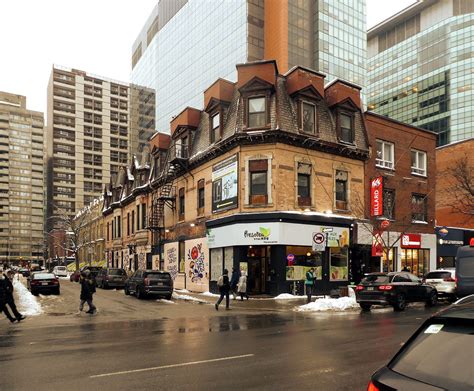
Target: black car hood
x=386, y=380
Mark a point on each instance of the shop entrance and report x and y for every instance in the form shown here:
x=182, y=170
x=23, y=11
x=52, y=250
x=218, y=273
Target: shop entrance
x=257, y=259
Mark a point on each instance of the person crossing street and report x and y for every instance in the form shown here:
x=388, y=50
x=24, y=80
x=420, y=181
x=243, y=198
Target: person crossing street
x=224, y=288
x=87, y=291
x=10, y=300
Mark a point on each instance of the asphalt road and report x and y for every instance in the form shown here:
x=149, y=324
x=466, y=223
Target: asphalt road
x=150, y=345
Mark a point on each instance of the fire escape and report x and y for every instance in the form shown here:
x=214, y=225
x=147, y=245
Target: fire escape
x=176, y=164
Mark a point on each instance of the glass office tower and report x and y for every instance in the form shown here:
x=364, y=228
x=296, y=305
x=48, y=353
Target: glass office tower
x=187, y=44
x=421, y=68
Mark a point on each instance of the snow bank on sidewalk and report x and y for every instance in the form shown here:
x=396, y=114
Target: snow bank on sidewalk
x=188, y=298
x=287, y=296
x=340, y=304
x=27, y=303
x=182, y=291
x=209, y=294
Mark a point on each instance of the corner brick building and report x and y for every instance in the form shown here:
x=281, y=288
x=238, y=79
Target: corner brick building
x=271, y=177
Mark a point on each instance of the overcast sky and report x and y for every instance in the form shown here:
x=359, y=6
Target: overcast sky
x=92, y=35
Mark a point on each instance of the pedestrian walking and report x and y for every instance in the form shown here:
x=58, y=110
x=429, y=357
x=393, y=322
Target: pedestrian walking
x=242, y=287
x=309, y=282
x=87, y=291
x=234, y=280
x=10, y=300
x=224, y=288
x=3, y=299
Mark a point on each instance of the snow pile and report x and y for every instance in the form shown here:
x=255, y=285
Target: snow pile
x=287, y=296
x=182, y=290
x=188, y=298
x=27, y=303
x=209, y=294
x=340, y=304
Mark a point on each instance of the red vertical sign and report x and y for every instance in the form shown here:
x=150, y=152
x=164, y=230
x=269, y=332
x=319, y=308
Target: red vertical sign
x=376, y=201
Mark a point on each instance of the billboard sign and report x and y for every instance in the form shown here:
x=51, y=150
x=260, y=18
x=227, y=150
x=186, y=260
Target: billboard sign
x=225, y=184
x=411, y=241
x=376, y=201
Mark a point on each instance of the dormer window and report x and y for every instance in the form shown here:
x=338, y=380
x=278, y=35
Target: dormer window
x=256, y=112
x=215, y=128
x=346, y=127
x=308, y=117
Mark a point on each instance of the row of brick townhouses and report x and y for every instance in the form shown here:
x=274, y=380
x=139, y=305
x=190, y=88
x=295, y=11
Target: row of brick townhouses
x=273, y=177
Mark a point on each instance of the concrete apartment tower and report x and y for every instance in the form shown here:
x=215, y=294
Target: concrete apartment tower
x=421, y=65
x=88, y=137
x=21, y=181
x=185, y=45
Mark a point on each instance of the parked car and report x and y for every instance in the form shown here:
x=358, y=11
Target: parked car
x=465, y=270
x=111, y=278
x=60, y=271
x=444, y=280
x=24, y=272
x=41, y=282
x=149, y=282
x=395, y=289
x=437, y=357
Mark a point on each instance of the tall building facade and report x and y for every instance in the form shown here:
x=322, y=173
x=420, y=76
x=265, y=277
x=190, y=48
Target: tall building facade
x=421, y=67
x=21, y=181
x=88, y=137
x=187, y=44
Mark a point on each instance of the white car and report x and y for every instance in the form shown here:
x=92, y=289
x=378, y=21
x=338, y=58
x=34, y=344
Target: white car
x=444, y=280
x=60, y=271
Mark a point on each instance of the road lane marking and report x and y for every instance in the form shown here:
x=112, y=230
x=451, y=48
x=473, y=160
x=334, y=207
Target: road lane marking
x=172, y=366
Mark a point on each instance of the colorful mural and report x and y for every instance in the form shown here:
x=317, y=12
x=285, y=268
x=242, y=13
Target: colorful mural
x=197, y=265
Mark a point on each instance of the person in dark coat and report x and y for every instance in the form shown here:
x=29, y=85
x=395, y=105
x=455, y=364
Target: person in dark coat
x=10, y=299
x=87, y=291
x=3, y=299
x=224, y=288
x=234, y=280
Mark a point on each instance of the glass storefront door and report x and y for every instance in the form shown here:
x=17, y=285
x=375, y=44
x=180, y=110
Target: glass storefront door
x=257, y=260
x=416, y=260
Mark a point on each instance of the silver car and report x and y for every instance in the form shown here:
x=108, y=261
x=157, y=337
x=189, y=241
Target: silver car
x=444, y=280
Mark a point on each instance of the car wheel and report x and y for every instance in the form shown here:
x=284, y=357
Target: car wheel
x=433, y=299
x=104, y=285
x=57, y=292
x=168, y=297
x=365, y=306
x=138, y=293
x=34, y=293
x=126, y=291
x=400, y=302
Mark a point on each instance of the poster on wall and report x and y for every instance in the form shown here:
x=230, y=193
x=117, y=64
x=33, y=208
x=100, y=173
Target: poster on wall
x=225, y=184
x=217, y=262
x=171, y=259
x=197, y=265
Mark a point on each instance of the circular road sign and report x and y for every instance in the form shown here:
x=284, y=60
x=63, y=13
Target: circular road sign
x=290, y=257
x=319, y=238
x=384, y=224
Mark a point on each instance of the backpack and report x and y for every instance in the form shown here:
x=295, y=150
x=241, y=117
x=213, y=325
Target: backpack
x=220, y=281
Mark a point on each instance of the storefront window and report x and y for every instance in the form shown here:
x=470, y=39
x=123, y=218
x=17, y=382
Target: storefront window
x=216, y=263
x=416, y=260
x=339, y=264
x=388, y=263
x=304, y=259
x=444, y=262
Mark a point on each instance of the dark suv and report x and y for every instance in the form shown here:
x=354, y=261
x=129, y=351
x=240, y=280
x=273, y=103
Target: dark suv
x=395, y=289
x=111, y=278
x=149, y=282
x=439, y=356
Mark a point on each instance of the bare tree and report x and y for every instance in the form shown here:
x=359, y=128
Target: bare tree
x=460, y=186
x=378, y=228
x=74, y=228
